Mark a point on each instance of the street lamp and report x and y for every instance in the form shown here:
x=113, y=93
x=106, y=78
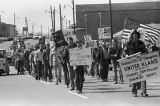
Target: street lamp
x=73, y=17
x=0, y=15
x=15, y=23
x=52, y=12
x=85, y=18
x=110, y=10
x=100, y=19
x=74, y=23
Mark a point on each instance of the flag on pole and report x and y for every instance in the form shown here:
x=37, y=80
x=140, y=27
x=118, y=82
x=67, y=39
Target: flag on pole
x=151, y=34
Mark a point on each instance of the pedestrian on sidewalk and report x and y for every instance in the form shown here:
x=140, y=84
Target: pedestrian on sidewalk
x=135, y=45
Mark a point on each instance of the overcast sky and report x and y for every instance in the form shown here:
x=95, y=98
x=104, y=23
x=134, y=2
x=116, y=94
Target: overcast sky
x=34, y=10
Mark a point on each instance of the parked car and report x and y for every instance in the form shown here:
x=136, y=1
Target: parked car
x=4, y=68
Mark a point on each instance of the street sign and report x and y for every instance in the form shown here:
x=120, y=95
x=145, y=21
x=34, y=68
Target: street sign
x=104, y=33
x=87, y=37
x=92, y=43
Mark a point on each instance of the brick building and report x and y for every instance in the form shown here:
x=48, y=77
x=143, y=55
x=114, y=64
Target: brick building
x=89, y=16
x=6, y=30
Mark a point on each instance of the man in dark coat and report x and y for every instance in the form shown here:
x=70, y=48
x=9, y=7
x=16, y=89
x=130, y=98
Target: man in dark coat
x=47, y=68
x=135, y=45
x=104, y=62
x=70, y=68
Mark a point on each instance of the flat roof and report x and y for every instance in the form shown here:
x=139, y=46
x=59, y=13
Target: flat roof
x=118, y=6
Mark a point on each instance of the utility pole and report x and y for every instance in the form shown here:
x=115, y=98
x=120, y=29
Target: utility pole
x=74, y=23
x=41, y=30
x=100, y=19
x=54, y=13
x=26, y=25
x=51, y=10
x=33, y=29
x=0, y=18
x=14, y=25
x=110, y=11
x=48, y=32
x=85, y=17
x=60, y=16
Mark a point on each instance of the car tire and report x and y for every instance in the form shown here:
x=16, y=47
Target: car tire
x=7, y=73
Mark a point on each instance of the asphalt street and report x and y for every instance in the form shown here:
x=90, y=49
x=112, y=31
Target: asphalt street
x=24, y=90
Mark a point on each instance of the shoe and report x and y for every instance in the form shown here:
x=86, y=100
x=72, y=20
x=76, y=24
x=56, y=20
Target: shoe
x=50, y=80
x=72, y=89
x=144, y=94
x=134, y=95
x=78, y=92
x=60, y=80
x=115, y=82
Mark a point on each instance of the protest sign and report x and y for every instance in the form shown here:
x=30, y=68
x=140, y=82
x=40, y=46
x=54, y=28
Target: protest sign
x=104, y=33
x=140, y=68
x=3, y=63
x=87, y=37
x=80, y=56
x=29, y=45
x=158, y=42
x=59, y=39
x=74, y=37
x=92, y=44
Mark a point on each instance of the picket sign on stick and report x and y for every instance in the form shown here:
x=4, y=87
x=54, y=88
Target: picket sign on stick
x=138, y=68
x=80, y=56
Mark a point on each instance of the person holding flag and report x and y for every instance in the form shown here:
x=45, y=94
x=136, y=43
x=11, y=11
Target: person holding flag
x=135, y=45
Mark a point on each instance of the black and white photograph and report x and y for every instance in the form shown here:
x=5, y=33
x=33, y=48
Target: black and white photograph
x=79, y=52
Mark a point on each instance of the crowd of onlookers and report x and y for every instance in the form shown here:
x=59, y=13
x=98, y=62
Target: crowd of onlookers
x=46, y=62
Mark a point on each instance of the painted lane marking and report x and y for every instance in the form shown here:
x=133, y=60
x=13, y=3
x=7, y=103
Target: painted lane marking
x=84, y=97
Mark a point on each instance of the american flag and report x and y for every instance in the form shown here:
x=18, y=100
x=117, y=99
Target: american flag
x=150, y=34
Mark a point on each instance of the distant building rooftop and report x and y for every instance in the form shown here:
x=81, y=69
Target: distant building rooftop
x=118, y=6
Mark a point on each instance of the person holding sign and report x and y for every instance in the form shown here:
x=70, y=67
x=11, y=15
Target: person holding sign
x=135, y=45
x=71, y=70
x=79, y=72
